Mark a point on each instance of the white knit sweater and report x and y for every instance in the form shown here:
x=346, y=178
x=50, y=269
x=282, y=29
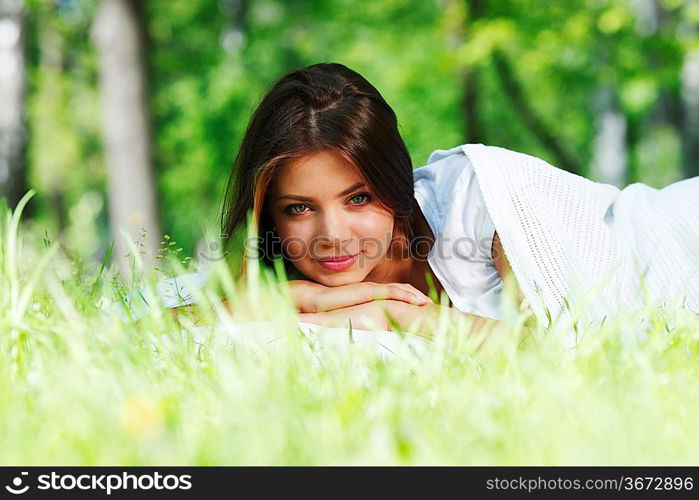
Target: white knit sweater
x=570, y=239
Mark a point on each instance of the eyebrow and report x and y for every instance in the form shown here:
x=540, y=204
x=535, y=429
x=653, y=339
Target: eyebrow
x=340, y=195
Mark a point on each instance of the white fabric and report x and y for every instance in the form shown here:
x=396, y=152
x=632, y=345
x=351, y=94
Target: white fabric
x=266, y=335
x=170, y=292
x=449, y=197
x=178, y=291
x=175, y=292
x=567, y=237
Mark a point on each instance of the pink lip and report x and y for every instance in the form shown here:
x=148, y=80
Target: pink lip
x=338, y=263
x=340, y=258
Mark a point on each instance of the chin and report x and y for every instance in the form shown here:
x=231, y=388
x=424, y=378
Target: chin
x=337, y=279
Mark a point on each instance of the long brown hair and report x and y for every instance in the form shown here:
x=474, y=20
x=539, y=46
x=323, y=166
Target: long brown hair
x=324, y=106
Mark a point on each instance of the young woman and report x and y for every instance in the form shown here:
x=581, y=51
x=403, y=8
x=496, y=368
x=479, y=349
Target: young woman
x=328, y=181
x=330, y=185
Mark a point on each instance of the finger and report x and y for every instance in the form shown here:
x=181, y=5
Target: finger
x=405, y=294
x=412, y=289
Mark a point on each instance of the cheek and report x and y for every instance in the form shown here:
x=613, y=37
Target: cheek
x=375, y=230
x=372, y=225
x=295, y=238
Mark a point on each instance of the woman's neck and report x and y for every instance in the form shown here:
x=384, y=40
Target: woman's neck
x=407, y=264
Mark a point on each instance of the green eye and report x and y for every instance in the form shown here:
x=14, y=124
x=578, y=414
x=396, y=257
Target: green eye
x=296, y=209
x=300, y=208
x=359, y=199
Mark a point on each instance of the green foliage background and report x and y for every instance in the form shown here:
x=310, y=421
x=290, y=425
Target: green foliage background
x=210, y=63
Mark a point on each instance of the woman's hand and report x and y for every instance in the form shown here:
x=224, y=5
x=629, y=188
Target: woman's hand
x=312, y=297
x=372, y=315
x=417, y=320
x=382, y=315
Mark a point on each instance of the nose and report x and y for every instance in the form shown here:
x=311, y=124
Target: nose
x=334, y=231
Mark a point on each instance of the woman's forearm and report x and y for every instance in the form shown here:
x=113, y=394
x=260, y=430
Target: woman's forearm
x=425, y=320
x=392, y=314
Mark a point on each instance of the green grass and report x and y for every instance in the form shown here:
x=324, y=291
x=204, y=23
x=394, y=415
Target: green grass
x=80, y=384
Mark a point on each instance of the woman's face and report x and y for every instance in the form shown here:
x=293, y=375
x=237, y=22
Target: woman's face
x=331, y=227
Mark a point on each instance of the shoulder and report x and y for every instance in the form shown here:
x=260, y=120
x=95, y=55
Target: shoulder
x=441, y=154
x=504, y=269
x=499, y=257
x=448, y=188
x=445, y=170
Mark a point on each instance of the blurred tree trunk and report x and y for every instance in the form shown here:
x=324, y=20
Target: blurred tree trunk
x=670, y=107
x=609, y=156
x=647, y=16
x=234, y=41
x=690, y=115
x=50, y=84
x=290, y=54
x=689, y=79
x=478, y=9
x=521, y=104
x=119, y=32
x=13, y=138
x=474, y=128
x=235, y=34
